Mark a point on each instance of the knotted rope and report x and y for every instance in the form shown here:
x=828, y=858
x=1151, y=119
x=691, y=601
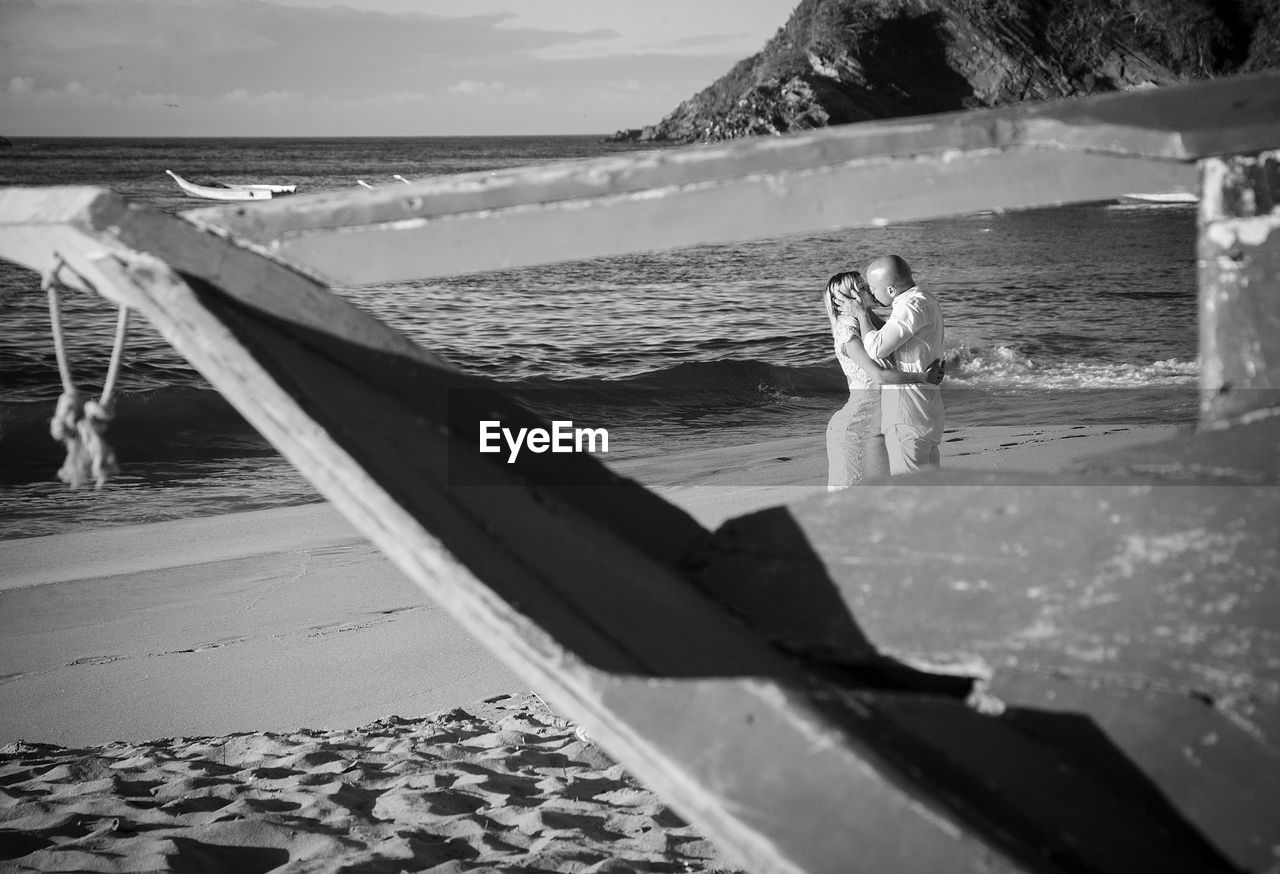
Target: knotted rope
x=78, y=423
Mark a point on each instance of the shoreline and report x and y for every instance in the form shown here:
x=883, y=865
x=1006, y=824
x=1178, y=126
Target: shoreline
x=760, y=474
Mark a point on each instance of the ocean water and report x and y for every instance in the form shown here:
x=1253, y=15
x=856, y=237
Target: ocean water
x=1075, y=315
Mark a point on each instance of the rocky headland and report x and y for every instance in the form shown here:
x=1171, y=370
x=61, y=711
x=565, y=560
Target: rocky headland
x=841, y=61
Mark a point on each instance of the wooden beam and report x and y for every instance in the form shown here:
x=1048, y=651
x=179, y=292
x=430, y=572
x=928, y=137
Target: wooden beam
x=750, y=206
x=1239, y=251
x=852, y=175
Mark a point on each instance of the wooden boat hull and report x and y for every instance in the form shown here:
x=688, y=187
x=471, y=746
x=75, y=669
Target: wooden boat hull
x=274, y=189
x=231, y=191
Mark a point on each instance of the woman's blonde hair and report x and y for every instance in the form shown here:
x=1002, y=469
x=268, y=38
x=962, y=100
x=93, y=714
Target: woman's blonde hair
x=843, y=283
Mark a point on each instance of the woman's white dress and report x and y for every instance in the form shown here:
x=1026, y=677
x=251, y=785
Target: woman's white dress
x=856, y=422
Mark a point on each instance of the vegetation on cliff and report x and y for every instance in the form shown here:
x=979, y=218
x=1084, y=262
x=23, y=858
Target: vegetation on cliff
x=839, y=61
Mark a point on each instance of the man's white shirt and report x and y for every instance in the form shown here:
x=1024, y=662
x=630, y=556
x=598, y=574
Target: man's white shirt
x=914, y=333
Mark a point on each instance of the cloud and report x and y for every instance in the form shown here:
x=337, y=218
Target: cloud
x=208, y=47
x=660, y=45
x=474, y=88
x=240, y=95
x=471, y=86
x=249, y=67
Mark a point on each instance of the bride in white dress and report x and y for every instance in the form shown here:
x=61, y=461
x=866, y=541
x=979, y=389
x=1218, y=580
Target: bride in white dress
x=855, y=437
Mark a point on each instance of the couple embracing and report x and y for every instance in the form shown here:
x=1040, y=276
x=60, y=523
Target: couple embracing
x=894, y=418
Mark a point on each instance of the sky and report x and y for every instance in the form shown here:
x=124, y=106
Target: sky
x=364, y=67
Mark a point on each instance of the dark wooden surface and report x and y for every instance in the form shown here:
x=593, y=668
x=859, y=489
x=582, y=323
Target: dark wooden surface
x=1149, y=609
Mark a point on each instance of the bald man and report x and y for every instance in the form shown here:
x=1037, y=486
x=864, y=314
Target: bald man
x=913, y=415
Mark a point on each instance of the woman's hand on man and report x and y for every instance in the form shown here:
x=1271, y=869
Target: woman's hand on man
x=845, y=305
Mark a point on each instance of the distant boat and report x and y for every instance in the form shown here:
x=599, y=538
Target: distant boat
x=231, y=191
x=1161, y=197
x=364, y=184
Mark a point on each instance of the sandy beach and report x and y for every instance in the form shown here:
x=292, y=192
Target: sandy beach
x=503, y=782
x=248, y=691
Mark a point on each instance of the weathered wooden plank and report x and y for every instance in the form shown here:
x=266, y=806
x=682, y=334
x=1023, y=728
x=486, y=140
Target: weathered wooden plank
x=1239, y=249
x=850, y=175
x=1152, y=609
x=749, y=207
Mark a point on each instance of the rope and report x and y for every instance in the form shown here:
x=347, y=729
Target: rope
x=78, y=423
